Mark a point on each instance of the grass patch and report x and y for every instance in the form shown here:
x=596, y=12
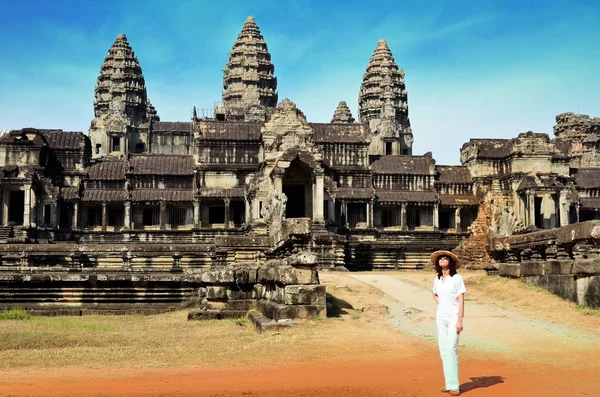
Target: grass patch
x=15, y=314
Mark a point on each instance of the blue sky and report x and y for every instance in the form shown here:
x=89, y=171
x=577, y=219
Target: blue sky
x=474, y=69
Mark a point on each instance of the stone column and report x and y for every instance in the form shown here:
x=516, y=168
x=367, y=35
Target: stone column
x=75, y=221
x=436, y=216
x=4, y=207
x=278, y=180
x=331, y=209
x=104, y=217
x=403, y=225
x=34, y=208
x=227, y=202
x=457, y=219
x=247, y=217
x=197, y=222
x=256, y=208
x=318, y=199
x=370, y=214
x=563, y=208
x=531, y=207
x=27, y=207
x=57, y=216
x=127, y=218
x=577, y=207
x=162, y=215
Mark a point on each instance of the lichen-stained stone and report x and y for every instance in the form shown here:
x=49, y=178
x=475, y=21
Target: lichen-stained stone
x=304, y=295
x=532, y=269
x=303, y=258
x=215, y=292
x=559, y=267
x=278, y=311
x=509, y=269
x=238, y=294
x=294, y=275
x=587, y=266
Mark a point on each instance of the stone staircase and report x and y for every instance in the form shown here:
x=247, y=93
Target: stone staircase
x=6, y=232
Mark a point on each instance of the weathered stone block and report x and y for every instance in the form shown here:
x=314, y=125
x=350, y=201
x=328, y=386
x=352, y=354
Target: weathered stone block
x=215, y=292
x=278, y=311
x=240, y=304
x=304, y=295
x=266, y=274
x=532, y=269
x=555, y=268
x=259, y=291
x=591, y=293
x=587, y=266
x=240, y=294
x=294, y=275
x=303, y=259
x=563, y=286
x=509, y=269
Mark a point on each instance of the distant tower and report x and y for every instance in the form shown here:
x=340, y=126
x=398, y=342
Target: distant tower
x=248, y=82
x=121, y=103
x=383, y=103
x=342, y=114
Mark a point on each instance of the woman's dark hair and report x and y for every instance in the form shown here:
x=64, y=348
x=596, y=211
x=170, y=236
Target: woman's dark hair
x=452, y=266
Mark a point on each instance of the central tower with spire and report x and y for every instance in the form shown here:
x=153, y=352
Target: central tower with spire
x=249, y=86
x=121, y=102
x=383, y=104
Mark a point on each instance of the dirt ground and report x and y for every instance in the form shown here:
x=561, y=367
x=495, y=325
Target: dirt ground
x=359, y=351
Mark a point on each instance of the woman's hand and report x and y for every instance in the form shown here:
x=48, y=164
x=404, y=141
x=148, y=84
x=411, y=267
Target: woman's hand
x=459, y=326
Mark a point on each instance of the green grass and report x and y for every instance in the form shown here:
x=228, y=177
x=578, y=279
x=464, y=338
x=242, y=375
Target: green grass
x=15, y=314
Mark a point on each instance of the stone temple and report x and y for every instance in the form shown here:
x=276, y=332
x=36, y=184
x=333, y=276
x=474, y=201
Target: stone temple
x=246, y=204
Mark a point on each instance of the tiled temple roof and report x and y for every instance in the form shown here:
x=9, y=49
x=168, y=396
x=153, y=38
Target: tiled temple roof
x=70, y=193
x=339, y=133
x=491, y=148
x=229, y=130
x=527, y=183
x=590, y=202
x=172, y=126
x=172, y=195
x=113, y=170
x=453, y=174
x=588, y=178
x=410, y=165
x=58, y=139
x=159, y=164
x=18, y=137
x=391, y=196
x=104, y=195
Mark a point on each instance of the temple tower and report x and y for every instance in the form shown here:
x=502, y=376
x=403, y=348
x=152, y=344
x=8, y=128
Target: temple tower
x=121, y=104
x=249, y=87
x=383, y=103
x=342, y=114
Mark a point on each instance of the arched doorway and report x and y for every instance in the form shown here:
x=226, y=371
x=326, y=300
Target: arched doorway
x=297, y=186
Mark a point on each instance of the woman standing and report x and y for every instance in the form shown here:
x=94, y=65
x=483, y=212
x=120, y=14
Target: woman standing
x=449, y=293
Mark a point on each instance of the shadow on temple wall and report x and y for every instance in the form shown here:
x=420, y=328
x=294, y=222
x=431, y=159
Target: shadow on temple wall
x=336, y=307
x=479, y=382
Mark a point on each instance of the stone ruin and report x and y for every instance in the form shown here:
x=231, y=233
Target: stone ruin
x=146, y=215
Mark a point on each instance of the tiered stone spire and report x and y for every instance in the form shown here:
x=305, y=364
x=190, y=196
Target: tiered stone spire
x=121, y=99
x=383, y=87
x=248, y=81
x=342, y=114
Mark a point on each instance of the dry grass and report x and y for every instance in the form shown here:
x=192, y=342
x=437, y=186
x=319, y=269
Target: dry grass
x=171, y=340
x=516, y=296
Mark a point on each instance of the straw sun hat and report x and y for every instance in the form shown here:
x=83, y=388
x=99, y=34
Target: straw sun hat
x=437, y=254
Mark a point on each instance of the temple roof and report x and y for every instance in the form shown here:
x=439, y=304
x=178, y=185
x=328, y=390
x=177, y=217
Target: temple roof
x=339, y=133
x=453, y=174
x=410, y=165
x=103, y=195
x=217, y=192
x=361, y=193
x=113, y=170
x=342, y=114
x=172, y=126
x=383, y=82
x=20, y=137
x=58, y=139
x=161, y=164
x=588, y=178
x=173, y=195
x=590, y=202
x=229, y=130
x=453, y=199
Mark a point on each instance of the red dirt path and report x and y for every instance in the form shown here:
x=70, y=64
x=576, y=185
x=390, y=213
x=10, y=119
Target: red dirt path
x=418, y=375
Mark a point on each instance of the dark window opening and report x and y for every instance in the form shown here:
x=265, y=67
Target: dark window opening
x=47, y=214
x=16, y=207
x=115, y=217
x=295, y=207
x=413, y=218
x=388, y=148
x=389, y=217
x=115, y=144
x=237, y=210
x=177, y=216
x=140, y=147
x=94, y=217
x=326, y=209
x=357, y=213
x=216, y=214
x=66, y=215
x=98, y=148
x=444, y=221
x=150, y=216
x=405, y=152
x=538, y=212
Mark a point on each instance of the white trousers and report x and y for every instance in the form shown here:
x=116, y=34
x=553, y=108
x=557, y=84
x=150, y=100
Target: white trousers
x=448, y=342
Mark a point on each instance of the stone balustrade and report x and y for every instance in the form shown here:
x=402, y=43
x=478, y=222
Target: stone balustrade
x=565, y=260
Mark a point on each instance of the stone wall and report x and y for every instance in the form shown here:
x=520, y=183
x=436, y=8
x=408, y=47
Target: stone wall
x=565, y=260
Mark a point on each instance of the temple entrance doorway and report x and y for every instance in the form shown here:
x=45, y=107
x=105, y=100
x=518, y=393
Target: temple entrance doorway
x=297, y=186
x=16, y=207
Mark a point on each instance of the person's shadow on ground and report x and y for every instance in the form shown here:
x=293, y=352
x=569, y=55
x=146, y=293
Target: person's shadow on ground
x=478, y=382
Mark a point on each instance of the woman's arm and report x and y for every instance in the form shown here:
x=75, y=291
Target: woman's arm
x=461, y=313
x=435, y=298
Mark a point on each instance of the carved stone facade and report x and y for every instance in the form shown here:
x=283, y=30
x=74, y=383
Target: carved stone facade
x=259, y=182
